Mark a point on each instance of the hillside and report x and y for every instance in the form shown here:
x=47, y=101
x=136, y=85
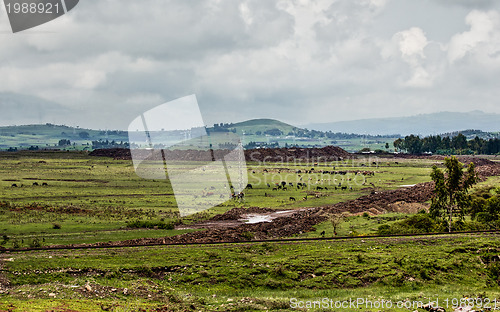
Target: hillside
x=256, y=126
x=48, y=136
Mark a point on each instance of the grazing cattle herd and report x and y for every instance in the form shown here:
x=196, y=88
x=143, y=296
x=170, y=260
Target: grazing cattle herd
x=312, y=181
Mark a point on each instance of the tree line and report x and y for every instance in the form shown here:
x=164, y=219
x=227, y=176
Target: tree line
x=457, y=145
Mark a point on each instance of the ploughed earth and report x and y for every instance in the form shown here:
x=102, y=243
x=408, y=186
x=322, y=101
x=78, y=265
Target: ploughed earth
x=264, y=223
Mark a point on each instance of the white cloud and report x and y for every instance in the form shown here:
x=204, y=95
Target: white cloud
x=484, y=27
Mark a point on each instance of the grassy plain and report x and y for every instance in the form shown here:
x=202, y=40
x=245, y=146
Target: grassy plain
x=94, y=198
x=256, y=277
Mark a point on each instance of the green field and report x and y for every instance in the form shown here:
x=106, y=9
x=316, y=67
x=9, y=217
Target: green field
x=89, y=200
x=88, y=194
x=255, y=277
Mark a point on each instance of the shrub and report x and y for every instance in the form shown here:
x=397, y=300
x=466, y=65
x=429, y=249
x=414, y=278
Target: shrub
x=247, y=235
x=417, y=223
x=35, y=243
x=144, y=224
x=16, y=244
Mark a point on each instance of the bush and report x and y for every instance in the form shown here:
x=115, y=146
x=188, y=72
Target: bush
x=417, y=223
x=247, y=235
x=35, y=243
x=143, y=224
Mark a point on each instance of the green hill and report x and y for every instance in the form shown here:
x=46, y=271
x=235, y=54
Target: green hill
x=255, y=125
x=49, y=135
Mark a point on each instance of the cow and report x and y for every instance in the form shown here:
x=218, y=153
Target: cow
x=290, y=183
x=275, y=189
x=284, y=188
x=292, y=198
x=268, y=185
x=319, y=188
x=35, y=183
x=14, y=185
x=45, y=184
x=343, y=188
x=249, y=186
x=322, y=234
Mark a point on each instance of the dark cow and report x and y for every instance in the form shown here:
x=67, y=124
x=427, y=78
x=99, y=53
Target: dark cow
x=249, y=186
x=322, y=233
x=45, y=184
x=344, y=188
x=284, y=188
x=319, y=188
x=275, y=189
x=292, y=198
x=14, y=185
x=35, y=183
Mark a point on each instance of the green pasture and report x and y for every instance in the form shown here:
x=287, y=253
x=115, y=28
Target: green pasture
x=255, y=277
x=92, y=194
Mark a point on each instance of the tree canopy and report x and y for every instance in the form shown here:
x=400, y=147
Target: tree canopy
x=451, y=189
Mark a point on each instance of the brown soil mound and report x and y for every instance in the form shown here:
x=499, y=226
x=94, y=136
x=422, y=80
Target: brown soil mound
x=328, y=153
x=404, y=207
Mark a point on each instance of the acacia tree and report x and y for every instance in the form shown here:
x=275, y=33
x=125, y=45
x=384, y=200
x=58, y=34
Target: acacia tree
x=451, y=189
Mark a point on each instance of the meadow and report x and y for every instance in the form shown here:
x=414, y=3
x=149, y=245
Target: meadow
x=95, y=198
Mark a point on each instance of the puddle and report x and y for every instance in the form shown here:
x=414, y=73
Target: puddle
x=252, y=219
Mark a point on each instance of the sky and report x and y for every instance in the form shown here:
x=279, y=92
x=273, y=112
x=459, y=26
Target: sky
x=299, y=61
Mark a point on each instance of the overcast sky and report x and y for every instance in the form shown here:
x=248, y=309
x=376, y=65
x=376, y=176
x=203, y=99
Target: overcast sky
x=107, y=61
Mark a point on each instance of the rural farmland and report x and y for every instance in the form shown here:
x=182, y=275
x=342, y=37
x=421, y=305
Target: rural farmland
x=83, y=230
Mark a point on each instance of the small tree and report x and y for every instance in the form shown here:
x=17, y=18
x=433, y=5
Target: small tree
x=451, y=190
x=336, y=219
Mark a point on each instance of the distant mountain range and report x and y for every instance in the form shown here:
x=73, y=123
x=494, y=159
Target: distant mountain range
x=19, y=109
x=425, y=124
